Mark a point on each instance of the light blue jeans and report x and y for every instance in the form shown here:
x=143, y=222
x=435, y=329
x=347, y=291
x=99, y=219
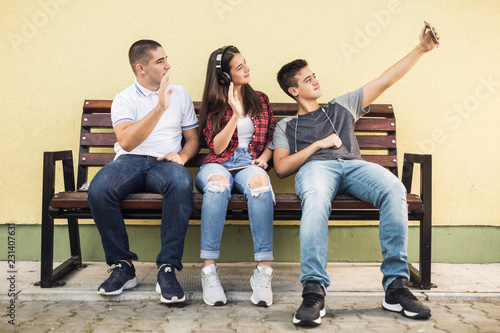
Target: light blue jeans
x=215, y=199
x=317, y=183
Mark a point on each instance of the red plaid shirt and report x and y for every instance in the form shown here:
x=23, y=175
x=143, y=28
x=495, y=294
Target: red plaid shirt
x=264, y=128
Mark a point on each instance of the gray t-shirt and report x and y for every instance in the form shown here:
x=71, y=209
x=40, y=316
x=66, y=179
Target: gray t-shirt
x=300, y=131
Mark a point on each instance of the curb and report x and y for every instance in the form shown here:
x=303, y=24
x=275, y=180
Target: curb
x=238, y=296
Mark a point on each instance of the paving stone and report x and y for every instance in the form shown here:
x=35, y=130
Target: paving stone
x=33, y=329
x=145, y=326
x=420, y=326
x=73, y=326
x=242, y=316
x=492, y=310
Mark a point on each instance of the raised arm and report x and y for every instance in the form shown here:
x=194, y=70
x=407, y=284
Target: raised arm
x=375, y=88
x=223, y=138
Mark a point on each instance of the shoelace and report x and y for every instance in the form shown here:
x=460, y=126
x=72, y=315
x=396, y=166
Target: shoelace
x=169, y=275
x=213, y=280
x=311, y=299
x=263, y=280
x=115, y=270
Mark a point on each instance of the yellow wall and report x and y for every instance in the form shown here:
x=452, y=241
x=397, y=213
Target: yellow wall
x=57, y=53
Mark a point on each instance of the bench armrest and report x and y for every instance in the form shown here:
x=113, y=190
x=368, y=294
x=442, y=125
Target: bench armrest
x=425, y=162
x=49, y=173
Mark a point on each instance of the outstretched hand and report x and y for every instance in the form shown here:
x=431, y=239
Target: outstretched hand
x=426, y=39
x=233, y=100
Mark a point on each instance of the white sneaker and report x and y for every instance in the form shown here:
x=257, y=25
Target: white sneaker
x=261, y=285
x=213, y=293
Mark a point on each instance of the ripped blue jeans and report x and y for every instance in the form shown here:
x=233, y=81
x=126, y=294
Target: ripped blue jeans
x=216, y=195
x=317, y=183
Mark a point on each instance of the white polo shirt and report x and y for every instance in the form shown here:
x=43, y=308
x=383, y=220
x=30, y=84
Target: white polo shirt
x=135, y=102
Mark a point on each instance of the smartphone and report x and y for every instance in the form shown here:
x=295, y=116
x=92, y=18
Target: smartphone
x=433, y=35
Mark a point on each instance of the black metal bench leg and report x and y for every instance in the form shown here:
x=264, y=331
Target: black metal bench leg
x=422, y=277
x=50, y=275
x=425, y=252
x=47, y=252
x=74, y=240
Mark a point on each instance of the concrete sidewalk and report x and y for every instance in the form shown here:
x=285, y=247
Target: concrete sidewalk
x=466, y=299
x=350, y=282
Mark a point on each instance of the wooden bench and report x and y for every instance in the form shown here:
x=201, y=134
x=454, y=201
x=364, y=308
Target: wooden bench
x=376, y=134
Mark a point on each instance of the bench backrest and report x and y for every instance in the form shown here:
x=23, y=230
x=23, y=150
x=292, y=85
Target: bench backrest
x=376, y=134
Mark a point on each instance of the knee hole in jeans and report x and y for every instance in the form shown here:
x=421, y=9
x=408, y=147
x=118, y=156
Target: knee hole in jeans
x=257, y=180
x=217, y=183
x=258, y=184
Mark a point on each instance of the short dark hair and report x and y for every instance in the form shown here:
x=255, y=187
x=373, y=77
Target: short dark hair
x=139, y=52
x=286, y=75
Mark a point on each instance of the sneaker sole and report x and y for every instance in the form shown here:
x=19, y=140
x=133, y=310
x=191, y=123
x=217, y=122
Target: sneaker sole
x=132, y=283
x=261, y=303
x=218, y=303
x=311, y=322
x=399, y=309
x=174, y=299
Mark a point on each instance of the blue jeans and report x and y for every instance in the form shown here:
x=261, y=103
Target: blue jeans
x=133, y=174
x=317, y=183
x=216, y=196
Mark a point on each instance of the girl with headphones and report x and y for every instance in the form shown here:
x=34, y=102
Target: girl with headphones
x=237, y=125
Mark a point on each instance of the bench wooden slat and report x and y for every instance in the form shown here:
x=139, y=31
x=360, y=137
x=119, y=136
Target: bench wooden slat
x=387, y=161
x=376, y=110
x=97, y=139
x=96, y=105
x=97, y=120
x=69, y=200
x=103, y=120
x=365, y=141
x=290, y=109
x=375, y=125
x=376, y=141
x=96, y=159
x=100, y=159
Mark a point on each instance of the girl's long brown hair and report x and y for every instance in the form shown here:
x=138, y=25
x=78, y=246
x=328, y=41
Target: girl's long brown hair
x=214, y=101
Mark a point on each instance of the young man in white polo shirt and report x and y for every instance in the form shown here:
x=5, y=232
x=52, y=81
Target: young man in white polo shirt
x=150, y=118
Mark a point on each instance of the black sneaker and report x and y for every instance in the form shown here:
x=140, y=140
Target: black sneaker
x=122, y=277
x=168, y=286
x=312, y=308
x=398, y=298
